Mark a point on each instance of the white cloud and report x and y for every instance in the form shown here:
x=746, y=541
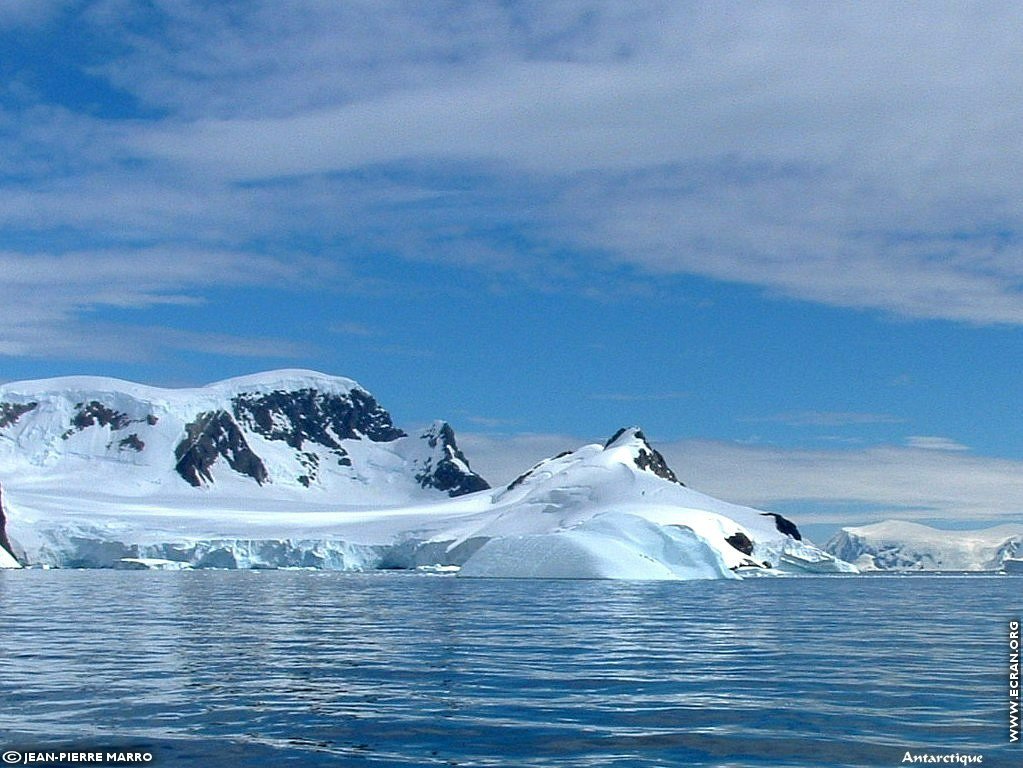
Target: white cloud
x=932, y=443
x=107, y=342
x=502, y=458
x=902, y=482
x=30, y=13
x=836, y=156
x=354, y=329
x=826, y=419
x=487, y=422
x=48, y=302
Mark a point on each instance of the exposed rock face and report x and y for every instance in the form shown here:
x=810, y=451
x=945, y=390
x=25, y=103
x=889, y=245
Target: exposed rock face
x=305, y=417
x=95, y=413
x=647, y=457
x=1013, y=548
x=213, y=435
x=784, y=525
x=447, y=469
x=741, y=542
x=308, y=415
x=287, y=430
x=90, y=414
x=131, y=443
x=529, y=472
x=11, y=412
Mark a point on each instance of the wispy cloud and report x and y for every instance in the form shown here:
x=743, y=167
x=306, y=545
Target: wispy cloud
x=30, y=13
x=902, y=482
x=932, y=443
x=46, y=300
x=836, y=156
x=743, y=147
x=824, y=419
x=629, y=397
x=502, y=458
x=354, y=329
x=109, y=342
x=488, y=422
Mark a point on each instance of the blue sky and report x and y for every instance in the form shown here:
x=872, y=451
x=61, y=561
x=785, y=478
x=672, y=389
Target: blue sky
x=784, y=238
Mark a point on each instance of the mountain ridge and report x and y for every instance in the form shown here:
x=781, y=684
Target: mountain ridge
x=899, y=545
x=294, y=427
x=298, y=469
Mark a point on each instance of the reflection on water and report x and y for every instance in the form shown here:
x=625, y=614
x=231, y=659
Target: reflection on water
x=311, y=668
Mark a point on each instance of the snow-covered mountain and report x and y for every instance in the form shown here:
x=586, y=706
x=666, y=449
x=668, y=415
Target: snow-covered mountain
x=618, y=511
x=294, y=468
x=895, y=545
x=295, y=432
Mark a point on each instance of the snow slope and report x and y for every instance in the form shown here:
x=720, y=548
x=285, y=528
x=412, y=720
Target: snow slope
x=617, y=511
x=895, y=545
x=7, y=560
x=297, y=469
x=284, y=435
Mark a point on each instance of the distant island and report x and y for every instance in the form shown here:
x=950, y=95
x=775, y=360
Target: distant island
x=299, y=469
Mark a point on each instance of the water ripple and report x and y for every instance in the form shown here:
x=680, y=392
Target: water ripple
x=243, y=668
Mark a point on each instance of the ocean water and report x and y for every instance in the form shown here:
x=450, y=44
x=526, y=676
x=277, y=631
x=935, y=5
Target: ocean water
x=252, y=668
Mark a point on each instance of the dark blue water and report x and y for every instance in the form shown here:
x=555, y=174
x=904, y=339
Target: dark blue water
x=218, y=668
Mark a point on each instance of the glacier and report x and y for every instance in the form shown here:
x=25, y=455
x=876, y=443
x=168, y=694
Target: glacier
x=297, y=469
x=897, y=545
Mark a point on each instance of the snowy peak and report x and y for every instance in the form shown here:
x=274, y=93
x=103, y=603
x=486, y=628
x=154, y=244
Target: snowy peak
x=444, y=466
x=296, y=416
x=286, y=380
x=632, y=441
x=290, y=469
x=289, y=429
x=112, y=391
x=628, y=446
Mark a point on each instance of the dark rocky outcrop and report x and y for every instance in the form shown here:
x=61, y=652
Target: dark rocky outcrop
x=311, y=463
x=741, y=542
x=131, y=442
x=784, y=525
x=94, y=412
x=309, y=415
x=529, y=472
x=11, y=412
x=213, y=435
x=447, y=469
x=647, y=458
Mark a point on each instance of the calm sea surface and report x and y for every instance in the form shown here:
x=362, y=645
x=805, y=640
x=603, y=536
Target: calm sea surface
x=250, y=668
